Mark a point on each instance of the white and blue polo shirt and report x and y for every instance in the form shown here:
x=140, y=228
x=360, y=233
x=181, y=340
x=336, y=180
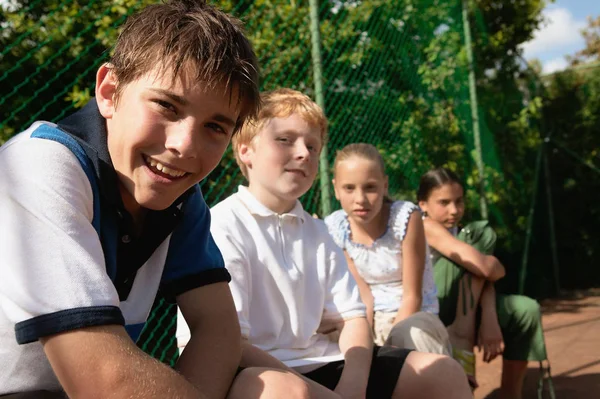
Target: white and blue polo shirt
x=69, y=255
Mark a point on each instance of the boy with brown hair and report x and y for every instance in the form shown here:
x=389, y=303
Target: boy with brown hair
x=290, y=281
x=103, y=208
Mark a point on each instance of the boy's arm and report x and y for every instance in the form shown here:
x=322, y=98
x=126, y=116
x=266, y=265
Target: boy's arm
x=356, y=343
x=481, y=265
x=253, y=356
x=213, y=353
x=365, y=291
x=195, y=276
x=413, y=266
x=97, y=362
x=344, y=308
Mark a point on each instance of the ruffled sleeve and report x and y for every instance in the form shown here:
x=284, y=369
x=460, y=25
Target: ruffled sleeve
x=338, y=226
x=399, y=216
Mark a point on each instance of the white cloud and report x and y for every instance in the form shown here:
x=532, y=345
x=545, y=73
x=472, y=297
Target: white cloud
x=8, y=5
x=561, y=32
x=555, y=65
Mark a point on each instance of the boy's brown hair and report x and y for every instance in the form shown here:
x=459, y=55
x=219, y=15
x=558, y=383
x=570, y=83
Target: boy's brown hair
x=180, y=34
x=279, y=103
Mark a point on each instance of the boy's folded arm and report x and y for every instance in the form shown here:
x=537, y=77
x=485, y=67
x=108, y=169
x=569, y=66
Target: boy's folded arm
x=461, y=253
x=97, y=362
x=253, y=356
x=212, y=355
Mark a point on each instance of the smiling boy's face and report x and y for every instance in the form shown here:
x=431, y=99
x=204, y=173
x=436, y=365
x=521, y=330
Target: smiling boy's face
x=164, y=135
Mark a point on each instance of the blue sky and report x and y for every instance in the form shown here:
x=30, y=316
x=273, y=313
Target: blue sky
x=560, y=35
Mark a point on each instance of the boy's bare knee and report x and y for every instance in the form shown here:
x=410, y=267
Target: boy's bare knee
x=256, y=382
x=427, y=375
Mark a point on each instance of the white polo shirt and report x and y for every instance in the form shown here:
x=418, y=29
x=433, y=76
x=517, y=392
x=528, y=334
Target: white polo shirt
x=289, y=280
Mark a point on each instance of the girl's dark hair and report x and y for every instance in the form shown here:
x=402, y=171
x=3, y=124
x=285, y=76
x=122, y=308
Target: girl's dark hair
x=433, y=179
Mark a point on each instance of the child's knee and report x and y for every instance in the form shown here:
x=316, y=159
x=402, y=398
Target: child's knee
x=421, y=331
x=429, y=364
x=530, y=313
x=432, y=376
x=531, y=309
x=266, y=383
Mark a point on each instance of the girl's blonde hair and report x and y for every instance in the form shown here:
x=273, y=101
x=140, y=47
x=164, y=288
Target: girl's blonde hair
x=362, y=150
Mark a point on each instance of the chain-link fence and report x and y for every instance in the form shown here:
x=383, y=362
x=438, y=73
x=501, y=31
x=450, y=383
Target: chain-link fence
x=395, y=73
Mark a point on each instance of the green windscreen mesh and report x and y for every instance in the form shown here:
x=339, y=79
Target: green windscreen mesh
x=395, y=74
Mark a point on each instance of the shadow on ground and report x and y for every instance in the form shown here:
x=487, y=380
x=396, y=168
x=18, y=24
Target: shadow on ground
x=571, y=302
x=585, y=386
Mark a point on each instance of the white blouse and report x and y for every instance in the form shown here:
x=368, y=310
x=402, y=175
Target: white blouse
x=380, y=264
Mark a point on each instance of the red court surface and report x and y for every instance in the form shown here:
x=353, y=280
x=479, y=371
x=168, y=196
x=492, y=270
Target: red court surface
x=572, y=329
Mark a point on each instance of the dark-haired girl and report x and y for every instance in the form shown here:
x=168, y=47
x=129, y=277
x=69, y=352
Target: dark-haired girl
x=465, y=271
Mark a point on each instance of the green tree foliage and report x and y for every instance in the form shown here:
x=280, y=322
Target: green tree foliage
x=49, y=53
x=591, y=35
x=395, y=74
x=571, y=113
x=439, y=128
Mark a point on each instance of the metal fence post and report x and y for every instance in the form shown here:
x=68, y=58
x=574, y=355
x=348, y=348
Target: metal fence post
x=315, y=36
x=552, y=231
x=474, y=109
x=523, y=272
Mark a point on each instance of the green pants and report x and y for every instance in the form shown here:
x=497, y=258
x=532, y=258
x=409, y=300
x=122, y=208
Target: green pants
x=519, y=316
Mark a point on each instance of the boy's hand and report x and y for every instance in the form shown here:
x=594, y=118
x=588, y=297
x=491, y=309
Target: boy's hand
x=490, y=337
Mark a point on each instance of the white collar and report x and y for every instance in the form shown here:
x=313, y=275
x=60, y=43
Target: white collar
x=257, y=208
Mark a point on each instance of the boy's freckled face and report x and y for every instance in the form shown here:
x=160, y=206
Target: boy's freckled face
x=283, y=160
x=163, y=138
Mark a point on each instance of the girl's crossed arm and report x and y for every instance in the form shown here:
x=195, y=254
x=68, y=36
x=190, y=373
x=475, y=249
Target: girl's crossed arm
x=481, y=265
